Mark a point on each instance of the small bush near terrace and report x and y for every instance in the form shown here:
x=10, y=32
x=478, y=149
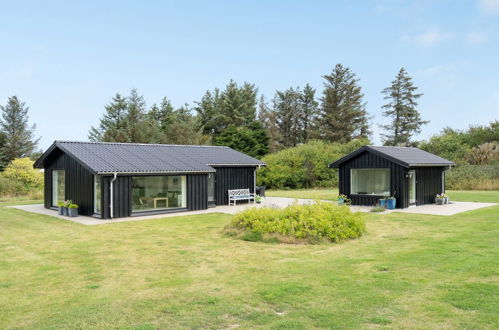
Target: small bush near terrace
x=311, y=223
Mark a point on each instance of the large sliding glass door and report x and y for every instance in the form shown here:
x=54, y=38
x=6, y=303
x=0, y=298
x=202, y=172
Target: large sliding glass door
x=58, y=186
x=151, y=193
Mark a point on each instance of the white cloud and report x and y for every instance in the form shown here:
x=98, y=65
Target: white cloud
x=489, y=7
x=475, y=38
x=431, y=38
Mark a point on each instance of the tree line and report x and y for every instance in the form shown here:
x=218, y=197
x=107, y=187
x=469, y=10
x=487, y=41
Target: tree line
x=238, y=117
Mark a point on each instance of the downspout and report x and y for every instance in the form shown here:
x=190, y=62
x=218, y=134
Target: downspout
x=111, y=206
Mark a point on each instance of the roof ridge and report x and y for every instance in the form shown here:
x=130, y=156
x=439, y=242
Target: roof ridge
x=394, y=147
x=143, y=144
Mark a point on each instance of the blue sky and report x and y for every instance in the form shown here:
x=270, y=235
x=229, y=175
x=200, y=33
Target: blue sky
x=67, y=59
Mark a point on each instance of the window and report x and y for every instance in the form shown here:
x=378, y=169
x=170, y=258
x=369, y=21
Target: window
x=158, y=193
x=211, y=187
x=58, y=186
x=97, y=194
x=370, y=181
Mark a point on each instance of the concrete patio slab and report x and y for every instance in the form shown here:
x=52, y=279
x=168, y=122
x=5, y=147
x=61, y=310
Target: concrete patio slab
x=447, y=209
x=280, y=202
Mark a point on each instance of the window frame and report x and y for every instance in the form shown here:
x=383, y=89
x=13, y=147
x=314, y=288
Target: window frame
x=367, y=169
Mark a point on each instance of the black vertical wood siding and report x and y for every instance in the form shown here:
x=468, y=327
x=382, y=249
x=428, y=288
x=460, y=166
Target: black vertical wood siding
x=228, y=178
x=122, y=196
x=79, y=182
x=428, y=184
x=197, y=191
x=398, y=181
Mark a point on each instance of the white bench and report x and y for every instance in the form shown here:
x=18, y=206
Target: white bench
x=240, y=195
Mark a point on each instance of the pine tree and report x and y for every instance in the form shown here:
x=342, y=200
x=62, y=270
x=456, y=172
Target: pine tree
x=267, y=119
x=343, y=116
x=308, y=112
x=208, y=112
x=401, y=108
x=136, y=117
x=287, y=108
x=251, y=139
x=113, y=125
x=163, y=115
x=234, y=105
x=18, y=137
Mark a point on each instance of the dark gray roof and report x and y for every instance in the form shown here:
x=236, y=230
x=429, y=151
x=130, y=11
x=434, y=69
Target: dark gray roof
x=110, y=157
x=404, y=156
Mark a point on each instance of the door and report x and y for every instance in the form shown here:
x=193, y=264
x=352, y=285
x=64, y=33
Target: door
x=412, y=187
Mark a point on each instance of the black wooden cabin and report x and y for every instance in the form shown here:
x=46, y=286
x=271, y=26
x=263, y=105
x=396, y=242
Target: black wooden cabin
x=411, y=175
x=112, y=180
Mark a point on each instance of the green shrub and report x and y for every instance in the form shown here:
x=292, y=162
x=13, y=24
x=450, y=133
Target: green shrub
x=478, y=177
x=21, y=180
x=305, y=166
x=311, y=223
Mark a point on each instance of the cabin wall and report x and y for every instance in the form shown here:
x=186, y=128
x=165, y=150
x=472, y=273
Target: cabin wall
x=196, y=185
x=228, y=178
x=79, y=182
x=122, y=196
x=428, y=184
x=398, y=181
x=197, y=192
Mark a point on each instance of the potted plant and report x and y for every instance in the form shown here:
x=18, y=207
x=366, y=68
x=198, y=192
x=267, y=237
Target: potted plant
x=382, y=202
x=73, y=210
x=343, y=199
x=63, y=210
x=65, y=207
x=439, y=200
x=391, y=202
x=259, y=199
x=446, y=198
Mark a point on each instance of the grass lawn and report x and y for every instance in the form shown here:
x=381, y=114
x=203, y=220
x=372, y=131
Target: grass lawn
x=487, y=196
x=409, y=271
x=316, y=193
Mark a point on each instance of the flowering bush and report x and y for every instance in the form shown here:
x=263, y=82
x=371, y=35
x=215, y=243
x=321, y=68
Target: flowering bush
x=310, y=223
x=20, y=179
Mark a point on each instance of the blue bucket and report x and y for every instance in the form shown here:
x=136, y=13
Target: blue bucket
x=381, y=202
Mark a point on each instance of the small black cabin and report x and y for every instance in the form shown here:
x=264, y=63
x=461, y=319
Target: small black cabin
x=112, y=180
x=411, y=175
